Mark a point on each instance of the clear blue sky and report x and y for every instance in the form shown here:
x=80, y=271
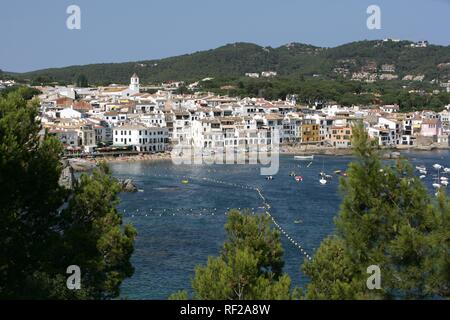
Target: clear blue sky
x=34, y=33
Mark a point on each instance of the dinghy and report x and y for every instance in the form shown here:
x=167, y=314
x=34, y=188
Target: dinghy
x=304, y=158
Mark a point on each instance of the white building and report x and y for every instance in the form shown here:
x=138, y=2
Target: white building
x=384, y=136
x=391, y=108
x=141, y=138
x=393, y=126
x=69, y=113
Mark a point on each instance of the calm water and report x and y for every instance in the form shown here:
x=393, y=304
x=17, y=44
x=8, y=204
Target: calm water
x=180, y=225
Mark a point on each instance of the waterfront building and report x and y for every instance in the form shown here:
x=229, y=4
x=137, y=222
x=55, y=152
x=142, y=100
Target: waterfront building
x=141, y=138
x=310, y=131
x=431, y=128
x=341, y=136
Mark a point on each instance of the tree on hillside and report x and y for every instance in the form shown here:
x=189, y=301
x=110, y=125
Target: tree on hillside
x=45, y=228
x=82, y=81
x=249, y=266
x=386, y=219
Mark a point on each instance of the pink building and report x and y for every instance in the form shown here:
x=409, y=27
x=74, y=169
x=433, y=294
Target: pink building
x=431, y=128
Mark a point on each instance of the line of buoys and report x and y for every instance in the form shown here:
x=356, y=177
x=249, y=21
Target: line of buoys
x=181, y=211
x=296, y=244
x=266, y=205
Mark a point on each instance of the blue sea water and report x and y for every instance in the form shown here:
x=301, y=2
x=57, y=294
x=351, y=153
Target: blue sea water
x=180, y=225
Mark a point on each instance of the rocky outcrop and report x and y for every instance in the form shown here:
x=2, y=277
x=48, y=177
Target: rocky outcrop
x=127, y=185
x=67, y=177
x=391, y=155
x=81, y=165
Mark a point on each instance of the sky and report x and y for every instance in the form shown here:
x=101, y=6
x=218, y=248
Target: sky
x=34, y=35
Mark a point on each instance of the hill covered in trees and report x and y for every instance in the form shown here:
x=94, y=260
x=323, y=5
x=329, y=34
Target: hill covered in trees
x=292, y=60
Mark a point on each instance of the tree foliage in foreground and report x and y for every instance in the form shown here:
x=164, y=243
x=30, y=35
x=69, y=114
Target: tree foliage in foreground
x=249, y=266
x=44, y=228
x=388, y=219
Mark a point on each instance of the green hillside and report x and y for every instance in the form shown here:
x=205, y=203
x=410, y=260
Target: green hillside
x=292, y=60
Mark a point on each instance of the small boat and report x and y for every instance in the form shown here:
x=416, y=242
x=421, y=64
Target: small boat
x=298, y=178
x=444, y=179
x=423, y=171
x=298, y=221
x=292, y=174
x=421, y=168
x=337, y=172
x=444, y=183
x=303, y=158
x=322, y=174
x=422, y=176
x=436, y=185
x=269, y=178
x=437, y=166
x=447, y=170
x=328, y=177
x=184, y=181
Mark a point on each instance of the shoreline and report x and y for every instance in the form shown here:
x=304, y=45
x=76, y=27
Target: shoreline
x=86, y=164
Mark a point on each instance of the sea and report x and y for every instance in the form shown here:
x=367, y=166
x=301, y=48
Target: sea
x=180, y=212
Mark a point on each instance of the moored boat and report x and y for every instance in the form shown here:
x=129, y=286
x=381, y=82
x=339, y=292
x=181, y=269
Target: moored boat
x=311, y=157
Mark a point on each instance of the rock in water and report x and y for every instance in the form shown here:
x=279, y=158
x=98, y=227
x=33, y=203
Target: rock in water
x=128, y=185
x=395, y=155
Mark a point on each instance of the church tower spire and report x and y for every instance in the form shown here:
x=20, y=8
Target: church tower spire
x=134, y=83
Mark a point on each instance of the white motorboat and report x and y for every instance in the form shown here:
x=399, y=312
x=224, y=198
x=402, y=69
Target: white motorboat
x=446, y=170
x=437, y=166
x=444, y=179
x=304, y=158
x=444, y=183
x=422, y=176
x=436, y=185
x=323, y=181
x=421, y=168
x=423, y=171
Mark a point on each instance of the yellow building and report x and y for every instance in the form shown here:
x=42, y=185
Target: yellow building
x=310, y=132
